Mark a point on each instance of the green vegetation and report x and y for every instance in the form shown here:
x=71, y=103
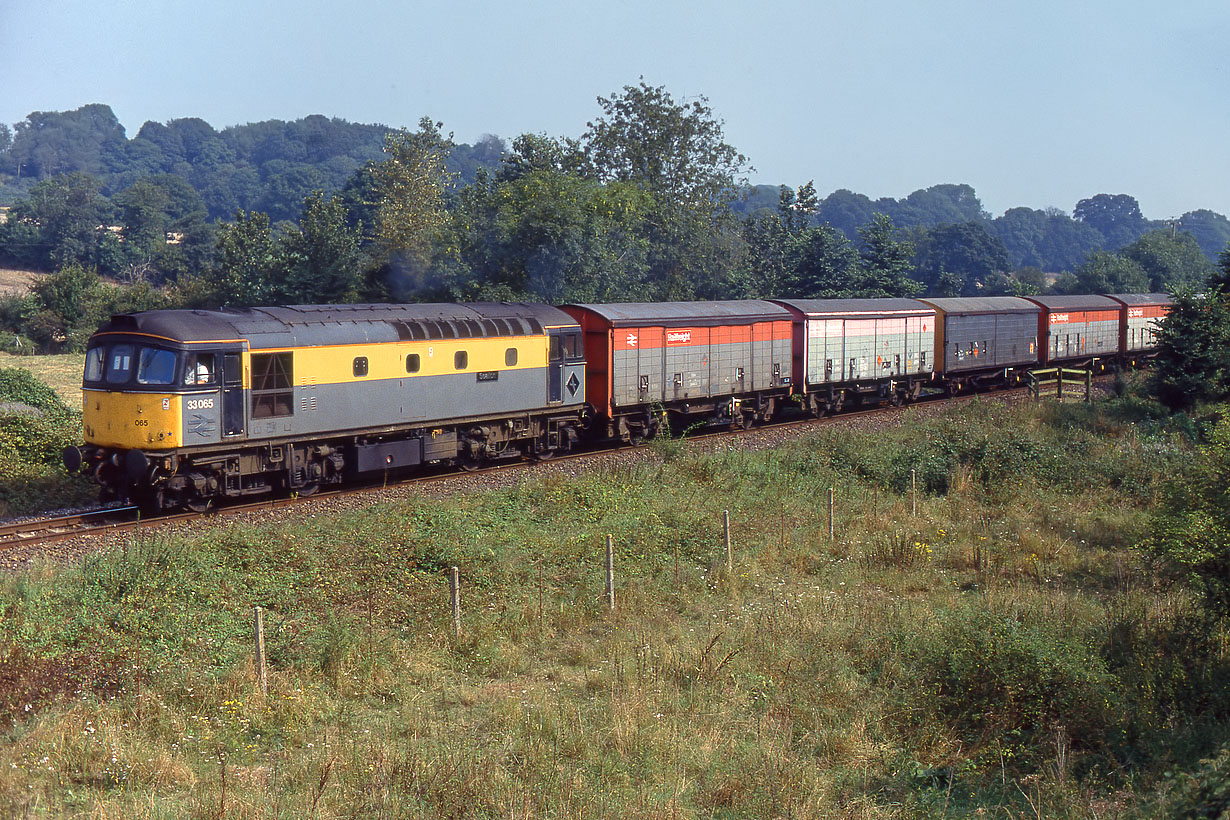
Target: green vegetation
x=35, y=427
x=649, y=204
x=1007, y=652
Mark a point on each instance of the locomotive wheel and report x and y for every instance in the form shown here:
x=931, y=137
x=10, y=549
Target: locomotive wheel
x=198, y=504
x=469, y=462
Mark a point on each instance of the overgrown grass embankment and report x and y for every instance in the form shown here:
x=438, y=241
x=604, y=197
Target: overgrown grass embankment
x=1003, y=653
x=35, y=427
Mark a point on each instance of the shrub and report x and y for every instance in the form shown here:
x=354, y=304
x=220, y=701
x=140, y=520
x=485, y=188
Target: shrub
x=992, y=676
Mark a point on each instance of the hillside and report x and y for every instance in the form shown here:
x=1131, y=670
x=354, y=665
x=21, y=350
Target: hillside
x=1005, y=652
x=16, y=281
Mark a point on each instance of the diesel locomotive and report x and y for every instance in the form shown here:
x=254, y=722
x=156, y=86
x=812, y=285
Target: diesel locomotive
x=182, y=407
x=185, y=407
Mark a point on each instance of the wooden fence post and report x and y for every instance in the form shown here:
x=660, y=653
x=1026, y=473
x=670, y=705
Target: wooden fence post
x=914, y=493
x=540, y=591
x=258, y=627
x=454, y=588
x=730, y=556
x=610, y=572
x=832, y=504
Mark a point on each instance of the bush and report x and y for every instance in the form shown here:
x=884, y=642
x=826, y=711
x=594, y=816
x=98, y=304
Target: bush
x=992, y=676
x=35, y=425
x=1192, y=531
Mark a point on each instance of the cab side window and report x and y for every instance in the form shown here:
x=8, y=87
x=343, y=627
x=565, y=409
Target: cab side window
x=200, y=368
x=94, y=364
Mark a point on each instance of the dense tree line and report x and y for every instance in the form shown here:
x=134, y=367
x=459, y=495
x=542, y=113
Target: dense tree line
x=649, y=203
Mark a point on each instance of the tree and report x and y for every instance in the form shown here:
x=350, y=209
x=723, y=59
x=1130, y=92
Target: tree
x=546, y=234
x=319, y=261
x=677, y=154
x=1106, y=272
x=537, y=152
x=940, y=205
x=409, y=187
x=1170, y=260
x=884, y=262
x=1193, y=351
x=827, y=264
x=66, y=214
x=1221, y=277
x=245, y=262
x=959, y=260
x=775, y=243
x=1211, y=229
x=1116, y=216
x=49, y=143
x=164, y=231
x=675, y=150
x=70, y=308
x=846, y=211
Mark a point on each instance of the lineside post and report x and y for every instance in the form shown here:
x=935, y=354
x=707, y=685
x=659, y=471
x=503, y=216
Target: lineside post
x=610, y=572
x=454, y=589
x=914, y=493
x=730, y=555
x=832, y=504
x=258, y=628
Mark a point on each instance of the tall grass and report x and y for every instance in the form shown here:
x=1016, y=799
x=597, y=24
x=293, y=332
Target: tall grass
x=1004, y=652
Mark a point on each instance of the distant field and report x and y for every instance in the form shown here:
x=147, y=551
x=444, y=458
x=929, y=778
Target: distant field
x=61, y=373
x=16, y=281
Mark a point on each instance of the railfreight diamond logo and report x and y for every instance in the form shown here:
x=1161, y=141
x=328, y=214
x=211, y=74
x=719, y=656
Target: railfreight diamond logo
x=573, y=384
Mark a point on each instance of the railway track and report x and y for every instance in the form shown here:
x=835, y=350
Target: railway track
x=36, y=531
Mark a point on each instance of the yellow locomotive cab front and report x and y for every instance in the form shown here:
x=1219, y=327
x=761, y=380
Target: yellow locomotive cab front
x=132, y=421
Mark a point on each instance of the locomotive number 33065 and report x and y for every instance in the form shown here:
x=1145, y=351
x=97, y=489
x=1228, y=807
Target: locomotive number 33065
x=200, y=404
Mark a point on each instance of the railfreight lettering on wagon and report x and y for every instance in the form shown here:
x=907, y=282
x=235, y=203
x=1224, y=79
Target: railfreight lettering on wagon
x=186, y=407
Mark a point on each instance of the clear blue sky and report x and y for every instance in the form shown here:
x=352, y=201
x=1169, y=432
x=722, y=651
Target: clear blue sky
x=1033, y=102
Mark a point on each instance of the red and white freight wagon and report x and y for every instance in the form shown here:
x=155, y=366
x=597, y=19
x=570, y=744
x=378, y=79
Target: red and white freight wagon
x=1077, y=329
x=1141, y=316
x=860, y=348
x=728, y=361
